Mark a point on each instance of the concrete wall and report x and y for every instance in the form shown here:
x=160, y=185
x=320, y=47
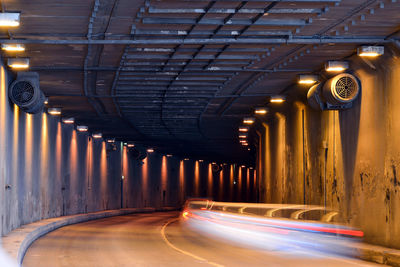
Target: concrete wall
x=350, y=159
x=48, y=169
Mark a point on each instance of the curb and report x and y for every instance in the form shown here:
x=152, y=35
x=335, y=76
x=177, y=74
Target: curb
x=378, y=254
x=17, y=242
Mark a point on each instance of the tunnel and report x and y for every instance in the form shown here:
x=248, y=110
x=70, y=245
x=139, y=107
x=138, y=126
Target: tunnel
x=199, y=132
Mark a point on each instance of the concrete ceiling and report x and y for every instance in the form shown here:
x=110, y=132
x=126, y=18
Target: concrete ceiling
x=181, y=75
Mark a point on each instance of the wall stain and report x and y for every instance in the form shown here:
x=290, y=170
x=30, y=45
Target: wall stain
x=394, y=180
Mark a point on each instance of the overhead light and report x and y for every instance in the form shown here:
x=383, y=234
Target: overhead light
x=244, y=144
x=260, y=111
x=97, y=135
x=186, y=159
x=277, y=99
x=243, y=129
x=68, y=120
x=201, y=160
x=111, y=140
x=248, y=149
x=307, y=79
x=46, y=101
x=54, y=111
x=336, y=66
x=213, y=163
x=130, y=145
x=243, y=141
x=370, y=50
x=18, y=63
x=243, y=166
x=248, y=120
x=150, y=150
x=8, y=19
x=242, y=135
x=82, y=128
x=13, y=47
x=169, y=155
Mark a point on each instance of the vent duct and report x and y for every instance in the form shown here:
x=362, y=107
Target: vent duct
x=338, y=92
x=216, y=168
x=138, y=153
x=25, y=92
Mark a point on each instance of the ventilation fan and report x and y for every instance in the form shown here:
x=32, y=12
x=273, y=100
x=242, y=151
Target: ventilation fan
x=138, y=153
x=216, y=168
x=338, y=92
x=25, y=92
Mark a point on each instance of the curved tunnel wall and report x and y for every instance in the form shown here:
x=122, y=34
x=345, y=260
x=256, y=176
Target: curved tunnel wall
x=48, y=169
x=355, y=153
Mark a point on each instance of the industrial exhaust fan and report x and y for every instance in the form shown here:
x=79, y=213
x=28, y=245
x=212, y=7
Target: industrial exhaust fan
x=338, y=92
x=25, y=92
x=138, y=152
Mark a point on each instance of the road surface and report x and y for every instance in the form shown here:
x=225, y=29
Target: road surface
x=156, y=239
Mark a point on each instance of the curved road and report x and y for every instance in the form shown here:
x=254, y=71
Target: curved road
x=155, y=239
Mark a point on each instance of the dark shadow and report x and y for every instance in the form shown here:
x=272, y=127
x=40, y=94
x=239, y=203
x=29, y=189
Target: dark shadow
x=349, y=131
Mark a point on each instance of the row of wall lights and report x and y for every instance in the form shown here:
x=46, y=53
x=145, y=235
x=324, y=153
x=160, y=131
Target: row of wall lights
x=308, y=79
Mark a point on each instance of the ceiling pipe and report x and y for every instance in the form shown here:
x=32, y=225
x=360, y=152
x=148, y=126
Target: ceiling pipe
x=197, y=41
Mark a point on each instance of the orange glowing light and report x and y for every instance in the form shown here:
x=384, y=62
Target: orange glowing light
x=248, y=120
x=243, y=129
x=260, y=111
x=277, y=99
x=150, y=150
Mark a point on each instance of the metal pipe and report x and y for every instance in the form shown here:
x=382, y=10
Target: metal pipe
x=265, y=41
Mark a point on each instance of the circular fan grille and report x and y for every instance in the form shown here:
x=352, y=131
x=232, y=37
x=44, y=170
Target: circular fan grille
x=23, y=92
x=346, y=88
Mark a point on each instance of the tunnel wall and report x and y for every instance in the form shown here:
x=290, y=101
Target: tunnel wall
x=48, y=169
x=347, y=159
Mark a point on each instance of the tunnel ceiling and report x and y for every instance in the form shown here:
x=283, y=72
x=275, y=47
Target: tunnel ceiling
x=181, y=75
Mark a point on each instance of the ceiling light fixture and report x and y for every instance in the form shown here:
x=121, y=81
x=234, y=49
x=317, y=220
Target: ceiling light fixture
x=242, y=135
x=13, y=47
x=370, y=50
x=307, y=79
x=186, y=159
x=169, y=155
x=54, y=111
x=18, y=63
x=130, y=145
x=277, y=99
x=260, y=111
x=97, y=135
x=336, y=66
x=82, y=128
x=9, y=19
x=248, y=120
x=68, y=120
x=243, y=129
x=111, y=140
x=150, y=150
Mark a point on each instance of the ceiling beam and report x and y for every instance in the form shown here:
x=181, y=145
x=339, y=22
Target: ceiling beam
x=208, y=21
x=199, y=41
x=155, y=10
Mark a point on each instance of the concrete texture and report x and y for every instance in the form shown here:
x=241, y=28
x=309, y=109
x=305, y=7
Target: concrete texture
x=348, y=160
x=138, y=240
x=48, y=169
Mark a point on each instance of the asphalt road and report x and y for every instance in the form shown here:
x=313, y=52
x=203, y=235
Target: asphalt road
x=156, y=239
